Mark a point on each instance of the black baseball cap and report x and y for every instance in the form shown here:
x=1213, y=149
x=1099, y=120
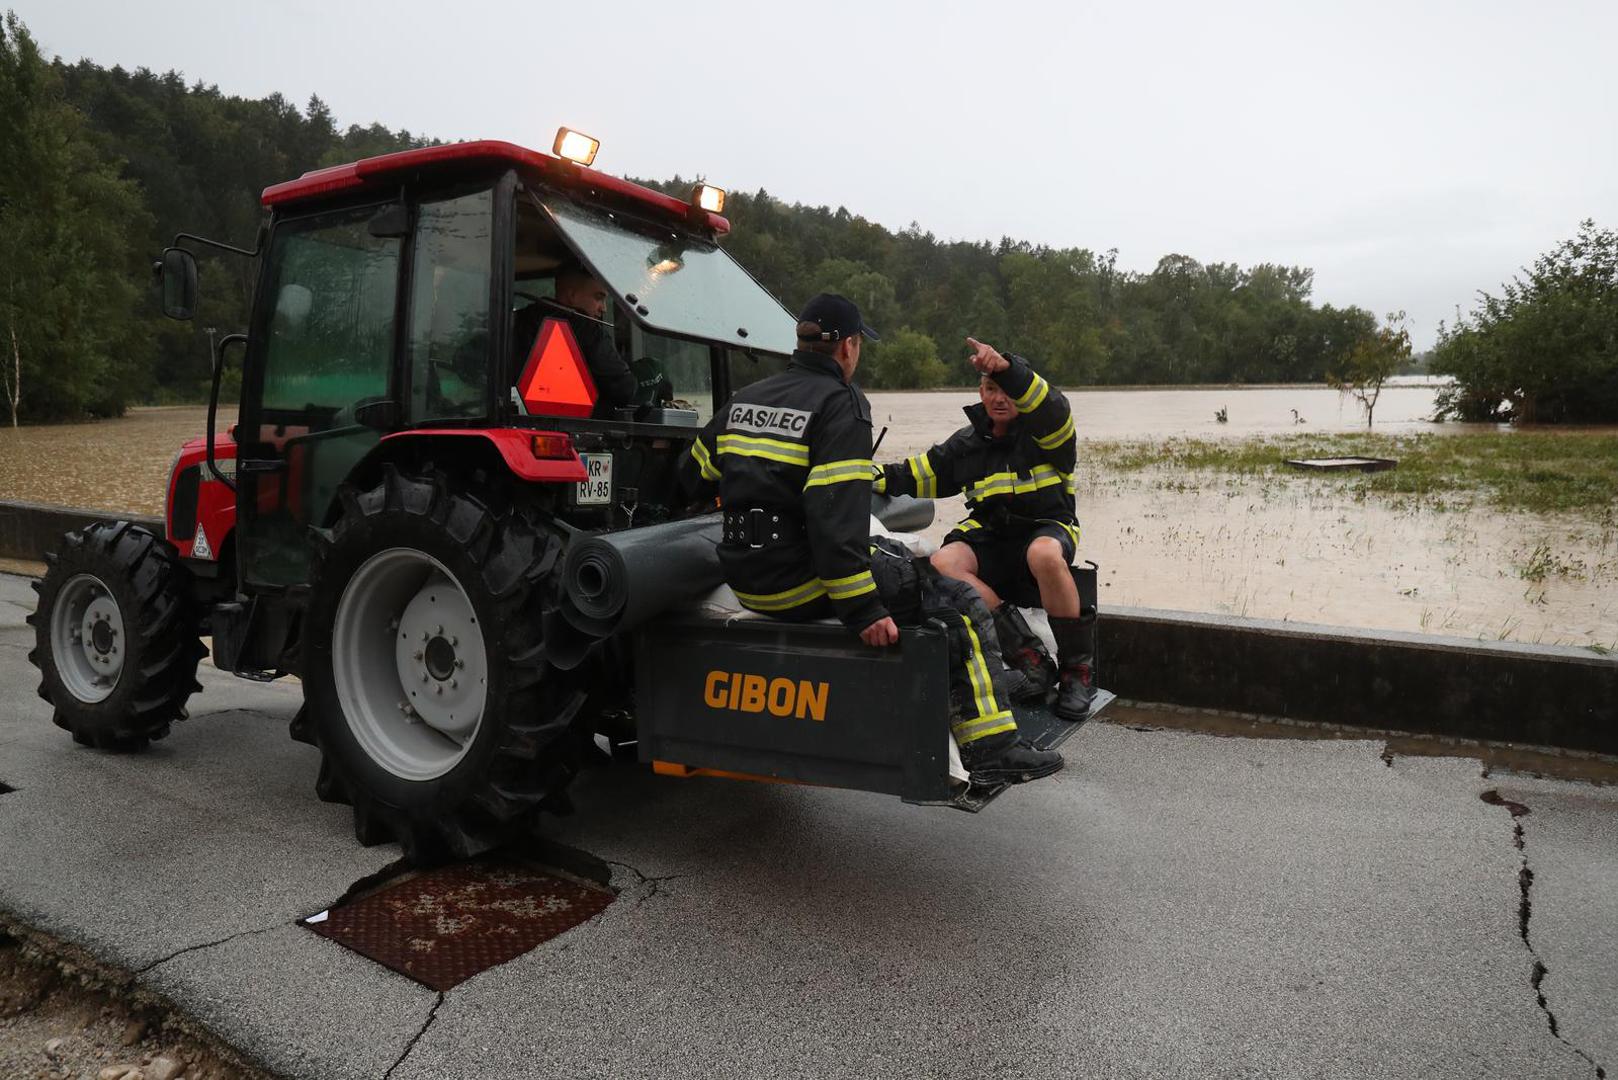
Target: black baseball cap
x=837, y=317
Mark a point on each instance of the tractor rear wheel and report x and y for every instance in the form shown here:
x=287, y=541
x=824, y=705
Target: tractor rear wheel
x=115, y=636
x=427, y=691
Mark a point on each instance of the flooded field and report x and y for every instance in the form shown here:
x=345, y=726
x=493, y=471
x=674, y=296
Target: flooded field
x=1298, y=547
x=1301, y=547
x=1153, y=413
x=106, y=464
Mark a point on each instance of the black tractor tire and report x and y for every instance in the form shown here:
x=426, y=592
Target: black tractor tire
x=527, y=745
x=159, y=642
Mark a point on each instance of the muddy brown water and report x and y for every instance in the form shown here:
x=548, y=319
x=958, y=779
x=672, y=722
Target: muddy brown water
x=1288, y=547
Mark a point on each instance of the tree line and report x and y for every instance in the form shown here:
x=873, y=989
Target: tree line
x=100, y=167
x=1085, y=320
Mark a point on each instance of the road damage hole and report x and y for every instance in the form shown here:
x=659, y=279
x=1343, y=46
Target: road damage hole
x=1494, y=798
x=441, y=927
x=5, y=788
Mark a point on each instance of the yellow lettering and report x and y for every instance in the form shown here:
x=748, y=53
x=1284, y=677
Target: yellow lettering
x=812, y=699
x=713, y=691
x=756, y=693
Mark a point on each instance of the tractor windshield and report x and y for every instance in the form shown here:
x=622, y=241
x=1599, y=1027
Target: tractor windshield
x=675, y=284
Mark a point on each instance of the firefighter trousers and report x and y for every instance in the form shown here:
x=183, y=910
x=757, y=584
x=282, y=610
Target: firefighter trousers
x=914, y=593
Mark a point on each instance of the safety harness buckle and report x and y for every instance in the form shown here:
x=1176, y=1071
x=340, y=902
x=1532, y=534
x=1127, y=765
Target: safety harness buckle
x=759, y=527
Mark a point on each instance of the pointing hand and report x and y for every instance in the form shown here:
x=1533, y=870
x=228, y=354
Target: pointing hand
x=985, y=358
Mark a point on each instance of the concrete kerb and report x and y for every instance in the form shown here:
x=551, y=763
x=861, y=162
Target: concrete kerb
x=1539, y=695
x=29, y=530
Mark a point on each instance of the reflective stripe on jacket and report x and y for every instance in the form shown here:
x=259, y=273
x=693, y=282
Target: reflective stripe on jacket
x=798, y=445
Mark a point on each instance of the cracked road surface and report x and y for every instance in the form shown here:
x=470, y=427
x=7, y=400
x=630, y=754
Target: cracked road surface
x=1171, y=904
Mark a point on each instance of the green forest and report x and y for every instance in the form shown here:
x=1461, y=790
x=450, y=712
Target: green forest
x=101, y=167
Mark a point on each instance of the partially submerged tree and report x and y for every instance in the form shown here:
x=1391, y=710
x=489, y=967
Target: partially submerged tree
x=1372, y=361
x=1546, y=349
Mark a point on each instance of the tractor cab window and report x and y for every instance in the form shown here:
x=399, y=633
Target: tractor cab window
x=540, y=254
x=449, y=308
x=746, y=368
x=331, y=326
x=677, y=284
x=328, y=341
x=672, y=374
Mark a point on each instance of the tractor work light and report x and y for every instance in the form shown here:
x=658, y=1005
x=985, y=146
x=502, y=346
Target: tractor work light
x=575, y=146
x=709, y=198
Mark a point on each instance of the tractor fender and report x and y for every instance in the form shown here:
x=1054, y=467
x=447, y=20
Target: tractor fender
x=199, y=510
x=512, y=447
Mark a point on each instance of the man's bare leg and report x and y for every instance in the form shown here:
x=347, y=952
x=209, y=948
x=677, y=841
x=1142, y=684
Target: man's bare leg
x=1058, y=595
x=957, y=560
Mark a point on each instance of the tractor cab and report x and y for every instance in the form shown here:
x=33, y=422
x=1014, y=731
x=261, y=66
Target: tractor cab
x=410, y=299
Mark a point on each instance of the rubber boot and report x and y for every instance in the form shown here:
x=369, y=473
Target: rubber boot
x=1075, y=666
x=1024, y=654
x=1007, y=759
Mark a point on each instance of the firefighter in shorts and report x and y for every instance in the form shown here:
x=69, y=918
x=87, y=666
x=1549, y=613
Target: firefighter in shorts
x=1014, y=461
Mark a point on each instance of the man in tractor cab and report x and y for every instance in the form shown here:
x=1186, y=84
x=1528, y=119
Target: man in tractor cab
x=1015, y=462
x=790, y=457
x=582, y=300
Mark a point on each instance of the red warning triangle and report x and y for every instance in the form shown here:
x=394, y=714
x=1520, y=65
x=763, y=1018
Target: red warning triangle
x=555, y=381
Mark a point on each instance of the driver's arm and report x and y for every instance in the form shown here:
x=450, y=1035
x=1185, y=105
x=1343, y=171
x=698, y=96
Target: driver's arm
x=615, y=383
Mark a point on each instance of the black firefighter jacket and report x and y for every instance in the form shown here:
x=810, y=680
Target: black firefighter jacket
x=1023, y=477
x=796, y=445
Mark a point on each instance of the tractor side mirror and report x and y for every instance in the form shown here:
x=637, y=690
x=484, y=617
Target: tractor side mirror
x=177, y=271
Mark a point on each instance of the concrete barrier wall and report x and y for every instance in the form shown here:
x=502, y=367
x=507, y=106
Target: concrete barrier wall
x=28, y=530
x=1537, y=694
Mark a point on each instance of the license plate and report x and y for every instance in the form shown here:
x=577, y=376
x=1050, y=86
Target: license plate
x=597, y=490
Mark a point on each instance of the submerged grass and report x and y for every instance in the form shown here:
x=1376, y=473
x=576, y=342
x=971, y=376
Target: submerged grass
x=1531, y=471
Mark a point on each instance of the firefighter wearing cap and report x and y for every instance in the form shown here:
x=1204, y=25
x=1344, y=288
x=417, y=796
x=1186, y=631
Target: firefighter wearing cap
x=1014, y=461
x=790, y=457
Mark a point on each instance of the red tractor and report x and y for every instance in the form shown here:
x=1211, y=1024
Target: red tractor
x=404, y=506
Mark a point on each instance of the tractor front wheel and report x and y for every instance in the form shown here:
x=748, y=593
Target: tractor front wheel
x=437, y=717
x=115, y=636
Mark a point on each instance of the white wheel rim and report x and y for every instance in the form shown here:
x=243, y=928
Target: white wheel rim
x=88, y=643
x=409, y=664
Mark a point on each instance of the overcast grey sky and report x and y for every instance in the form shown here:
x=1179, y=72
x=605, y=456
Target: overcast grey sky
x=1411, y=153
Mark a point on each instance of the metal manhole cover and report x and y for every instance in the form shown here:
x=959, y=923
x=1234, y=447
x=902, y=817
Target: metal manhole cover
x=444, y=926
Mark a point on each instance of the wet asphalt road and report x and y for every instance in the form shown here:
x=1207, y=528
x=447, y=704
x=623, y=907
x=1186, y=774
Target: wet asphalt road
x=1172, y=904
